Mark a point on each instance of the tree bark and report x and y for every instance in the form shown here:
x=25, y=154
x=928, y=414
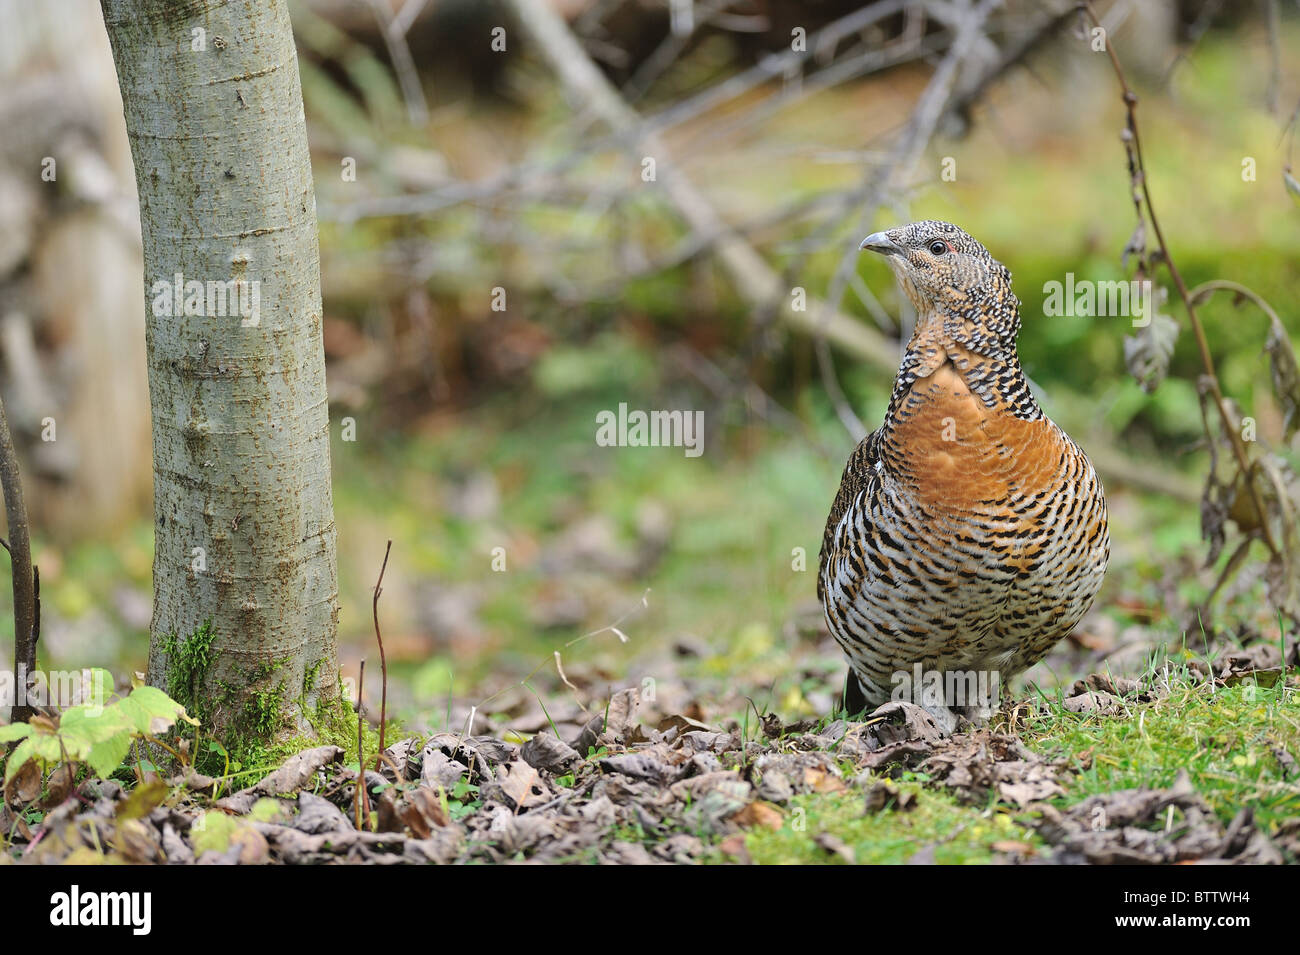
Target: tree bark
x=245, y=580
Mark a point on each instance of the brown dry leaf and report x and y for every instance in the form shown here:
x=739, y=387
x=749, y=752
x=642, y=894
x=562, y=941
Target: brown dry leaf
x=138, y=842
x=836, y=847
x=821, y=781
x=900, y=720
x=193, y=780
x=734, y=846
x=521, y=784
x=613, y=723
x=297, y=771
x=644, y=765
x=25, y=786
x=550, y=753
x=1147, y=353
x=726, y=781
x=419, y=810
x=883, y=795
x=1126, y=827
x=317, y=814
x=251, y=844
x=622, y=709
x=59, y=785
x=683, y=724
x=902, y=752
x=1261, y=662
x=757, y=814
x=1013, y=847
x=1286, y=379
x=973, y=764
x=1025, y=783
x=439, y=769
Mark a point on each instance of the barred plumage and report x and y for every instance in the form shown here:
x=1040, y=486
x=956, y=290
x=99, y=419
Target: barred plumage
x=969, y=533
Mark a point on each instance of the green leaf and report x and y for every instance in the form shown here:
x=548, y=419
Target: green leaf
x=14, y=731
x=105, y=756
x=213, y=831
x=143, y=800
x=84, y=722
x=150, y=710
x=266, y=810
x=39, y=746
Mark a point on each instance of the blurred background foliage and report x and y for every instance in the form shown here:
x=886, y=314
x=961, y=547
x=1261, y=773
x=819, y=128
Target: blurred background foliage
x=474, y=428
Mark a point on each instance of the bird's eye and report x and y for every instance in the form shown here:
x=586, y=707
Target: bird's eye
x=938, y=247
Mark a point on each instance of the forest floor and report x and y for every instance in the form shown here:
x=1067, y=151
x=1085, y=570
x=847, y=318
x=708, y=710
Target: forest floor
x=1196, y=760
x=697, y=727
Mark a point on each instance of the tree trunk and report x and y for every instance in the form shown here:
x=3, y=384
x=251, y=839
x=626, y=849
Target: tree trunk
x=245, y=581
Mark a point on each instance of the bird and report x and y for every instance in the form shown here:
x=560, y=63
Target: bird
x=969, y=533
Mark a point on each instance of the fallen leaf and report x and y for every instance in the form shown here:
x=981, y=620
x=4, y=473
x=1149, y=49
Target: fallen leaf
x=759, y=814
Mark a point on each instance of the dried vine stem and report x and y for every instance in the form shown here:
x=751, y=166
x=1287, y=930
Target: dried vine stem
x=1202, y=343
x=20, y=554
x=361, y=801
x=383, y=660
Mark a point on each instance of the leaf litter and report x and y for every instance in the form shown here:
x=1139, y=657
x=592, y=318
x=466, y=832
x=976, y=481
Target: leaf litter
x=635, y=784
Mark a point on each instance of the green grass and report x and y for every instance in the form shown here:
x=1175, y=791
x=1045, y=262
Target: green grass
x=957, y=834
x=1224, y=738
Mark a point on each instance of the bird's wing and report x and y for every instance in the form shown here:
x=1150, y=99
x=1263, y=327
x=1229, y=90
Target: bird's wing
x=859, y=472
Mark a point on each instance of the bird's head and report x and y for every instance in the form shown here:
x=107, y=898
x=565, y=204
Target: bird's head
x=941, y=268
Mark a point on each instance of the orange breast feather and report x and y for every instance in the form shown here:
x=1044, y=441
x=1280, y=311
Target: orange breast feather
x=956, y=454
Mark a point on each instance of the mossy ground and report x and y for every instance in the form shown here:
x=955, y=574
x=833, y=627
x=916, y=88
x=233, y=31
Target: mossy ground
x=935, y=823
x=1227, y=739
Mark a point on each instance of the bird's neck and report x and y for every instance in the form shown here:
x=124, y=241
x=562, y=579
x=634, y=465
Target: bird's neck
x=976, y=336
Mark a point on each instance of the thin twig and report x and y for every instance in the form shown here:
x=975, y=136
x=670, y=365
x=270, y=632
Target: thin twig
x=916, y=135
x=20, y=552
x=383, y=660
x=677, y=114
x=608, y=628
x=1034, y=37
x=405, y=17
x=362, y=801
x=752, y=277
x=408, y=78
x=1274, y=57
x=1202, y=343
x=672, y=45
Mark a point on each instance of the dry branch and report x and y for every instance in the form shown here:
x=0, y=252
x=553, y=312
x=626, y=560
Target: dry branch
x=752, y=277
x=20, y=556
x=916, y=135
x=383, y=659
x=1140, y=181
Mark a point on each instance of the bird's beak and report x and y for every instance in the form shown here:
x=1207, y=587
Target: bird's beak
x=880, y=242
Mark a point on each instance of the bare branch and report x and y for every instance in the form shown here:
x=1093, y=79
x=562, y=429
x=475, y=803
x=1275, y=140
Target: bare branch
x=1138, y=169
x=19, y=546
x=753, y=279
x=408, y=78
